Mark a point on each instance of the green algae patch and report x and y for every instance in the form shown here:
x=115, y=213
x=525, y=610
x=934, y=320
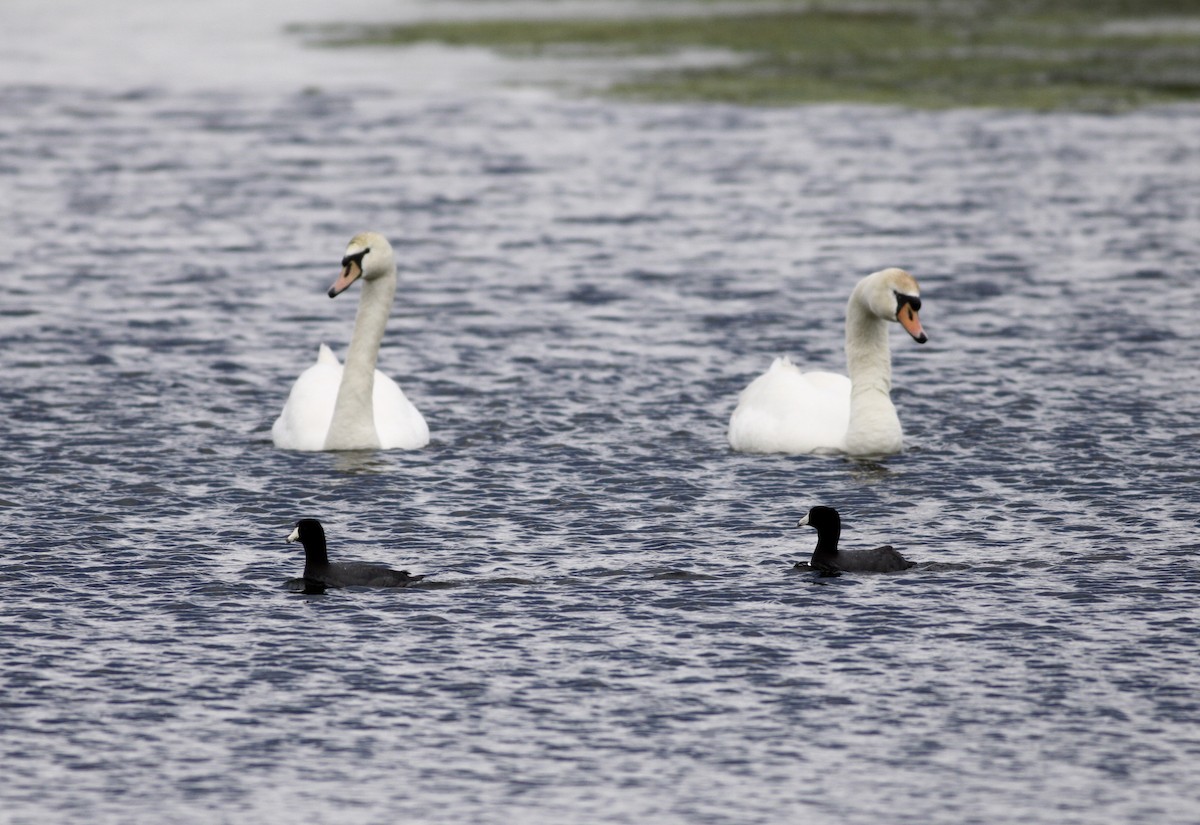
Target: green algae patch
x=1104, y=55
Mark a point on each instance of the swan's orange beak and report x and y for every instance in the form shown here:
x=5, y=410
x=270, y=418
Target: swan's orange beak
x=907, y=316
x=350, y=273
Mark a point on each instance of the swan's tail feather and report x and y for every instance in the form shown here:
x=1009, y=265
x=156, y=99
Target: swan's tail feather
x=325, y=355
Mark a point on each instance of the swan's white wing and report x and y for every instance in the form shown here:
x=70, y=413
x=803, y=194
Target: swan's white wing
x=399, y=425
x=785, y=410
x=305, y=419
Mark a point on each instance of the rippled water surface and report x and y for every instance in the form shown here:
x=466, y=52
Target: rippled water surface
x=611, y=629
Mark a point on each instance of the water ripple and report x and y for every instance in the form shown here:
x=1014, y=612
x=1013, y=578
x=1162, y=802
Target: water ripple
x=611, y=629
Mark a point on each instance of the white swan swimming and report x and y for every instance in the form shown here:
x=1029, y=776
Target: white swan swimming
x=785, y=410
x=355, y=407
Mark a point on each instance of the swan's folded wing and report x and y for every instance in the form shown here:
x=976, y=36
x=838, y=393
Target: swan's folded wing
x=785, y=410
x=399, y=424
x=306, y=415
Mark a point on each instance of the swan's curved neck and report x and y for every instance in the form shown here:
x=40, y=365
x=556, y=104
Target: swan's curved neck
x=868, y=358
x=874, y=426
x=353, y=425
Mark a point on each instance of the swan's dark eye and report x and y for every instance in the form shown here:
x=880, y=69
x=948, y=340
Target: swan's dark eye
x=356, y=257
x=911, y=300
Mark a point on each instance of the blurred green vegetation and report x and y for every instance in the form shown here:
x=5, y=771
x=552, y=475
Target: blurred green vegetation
x=1092, y=55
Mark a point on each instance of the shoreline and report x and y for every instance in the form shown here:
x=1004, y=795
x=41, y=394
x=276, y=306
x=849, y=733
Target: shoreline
x=1045, y=56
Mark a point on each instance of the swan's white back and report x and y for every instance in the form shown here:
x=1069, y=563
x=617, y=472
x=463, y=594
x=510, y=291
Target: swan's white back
x=304, y=422
x=785, y=410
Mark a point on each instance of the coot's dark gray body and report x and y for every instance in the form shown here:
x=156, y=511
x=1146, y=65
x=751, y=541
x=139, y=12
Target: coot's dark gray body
x=318, y=568
x=829, y=558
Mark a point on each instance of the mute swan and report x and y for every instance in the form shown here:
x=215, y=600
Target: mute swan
x=785, y=410
x=355, y=407
x=829, y=559
x=319, y=570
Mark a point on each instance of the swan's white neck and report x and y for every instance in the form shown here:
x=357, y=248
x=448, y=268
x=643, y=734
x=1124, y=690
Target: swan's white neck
x=353, y=425
x=874, y=426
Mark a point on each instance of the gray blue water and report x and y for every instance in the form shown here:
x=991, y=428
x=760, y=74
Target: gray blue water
x=610, y=631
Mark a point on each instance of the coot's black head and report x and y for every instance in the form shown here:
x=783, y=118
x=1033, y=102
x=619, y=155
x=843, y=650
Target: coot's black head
x=822, y=518
x=308, y=532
